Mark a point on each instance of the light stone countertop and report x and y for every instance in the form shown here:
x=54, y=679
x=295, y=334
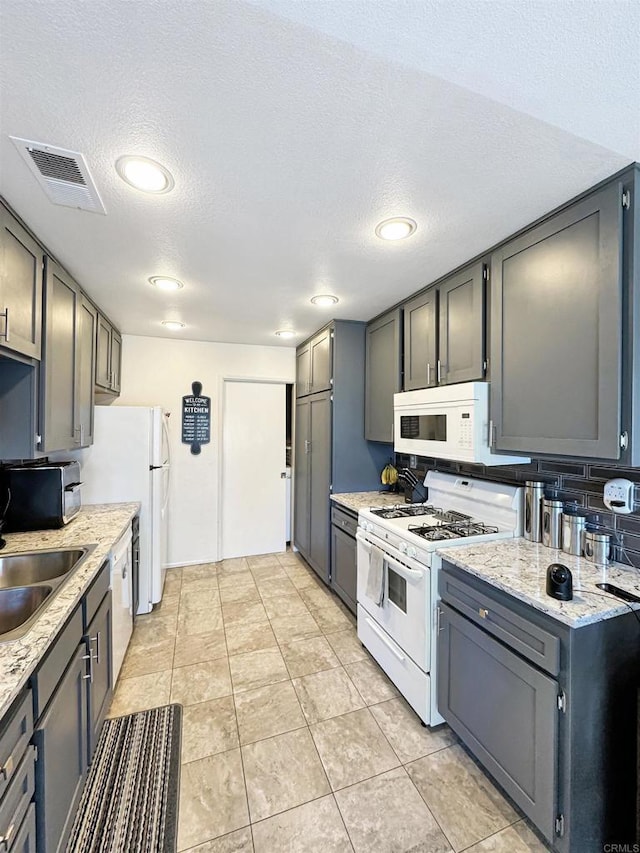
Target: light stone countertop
x=363, y=500
x=100, y=525
x=519, y=567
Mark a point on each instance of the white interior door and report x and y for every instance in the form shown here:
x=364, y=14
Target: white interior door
x=253, y=499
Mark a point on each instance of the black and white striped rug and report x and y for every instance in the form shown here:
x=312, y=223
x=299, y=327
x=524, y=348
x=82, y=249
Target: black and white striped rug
x=130, y=798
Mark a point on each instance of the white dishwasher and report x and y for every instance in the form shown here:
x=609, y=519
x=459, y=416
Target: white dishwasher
x=122, y=599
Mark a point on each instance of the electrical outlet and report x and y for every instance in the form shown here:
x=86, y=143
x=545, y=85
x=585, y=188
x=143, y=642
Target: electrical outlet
x=618, y=495
x=413, y=461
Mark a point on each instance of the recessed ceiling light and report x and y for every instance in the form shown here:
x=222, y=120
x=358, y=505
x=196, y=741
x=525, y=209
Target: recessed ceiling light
x=144, y=174
x=164, y=283
x=172, y=325
x=324, y=300
x=396, y=229
x=286, y=333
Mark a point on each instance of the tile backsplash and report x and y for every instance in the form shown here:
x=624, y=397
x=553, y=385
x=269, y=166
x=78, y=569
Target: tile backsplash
x=573, y=481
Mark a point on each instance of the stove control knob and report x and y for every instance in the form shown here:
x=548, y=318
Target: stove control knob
x=402, y=547
x=411, y=551
x=368, y=526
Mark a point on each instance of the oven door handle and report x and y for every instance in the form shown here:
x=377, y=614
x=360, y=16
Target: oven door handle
x=404, y=571
x=383, y=639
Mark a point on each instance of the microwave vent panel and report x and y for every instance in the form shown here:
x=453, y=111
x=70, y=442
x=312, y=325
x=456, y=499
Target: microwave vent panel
x=63, y=175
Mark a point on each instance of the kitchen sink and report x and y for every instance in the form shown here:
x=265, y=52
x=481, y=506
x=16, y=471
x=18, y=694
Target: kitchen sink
x=37, y=566
x=19, y=604
x=29, y=582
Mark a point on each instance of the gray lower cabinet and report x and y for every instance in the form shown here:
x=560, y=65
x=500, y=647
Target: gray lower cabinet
x=312, y=480
x=99, y=643
x=383, y=375
x=61, y=737
x=17, y=777
x=518, y=747
x=556, y=332
x=549, y=711
x=421, y=341
x=344, y=575
x=21, y=261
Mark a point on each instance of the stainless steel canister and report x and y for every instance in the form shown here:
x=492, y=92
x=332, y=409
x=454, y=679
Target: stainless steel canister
x=597, y=547
x=573, y=530
x=552, y=522
x=533, y=494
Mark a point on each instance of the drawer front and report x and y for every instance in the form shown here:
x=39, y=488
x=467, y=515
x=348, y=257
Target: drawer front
x=14, y=737
x=51, y=670
x=25, y=841
x=344, y=520
x=95, y=594
x=524, y=637
x=15, y=803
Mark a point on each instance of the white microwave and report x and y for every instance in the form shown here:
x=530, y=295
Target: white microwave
x=447, y=422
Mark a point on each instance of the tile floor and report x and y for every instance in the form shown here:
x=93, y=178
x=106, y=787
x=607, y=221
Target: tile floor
x=293, y=738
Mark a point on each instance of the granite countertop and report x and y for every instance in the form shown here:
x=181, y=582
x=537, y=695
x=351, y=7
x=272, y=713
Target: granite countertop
x=363, y=500
x=519, y=567
x=100, y=525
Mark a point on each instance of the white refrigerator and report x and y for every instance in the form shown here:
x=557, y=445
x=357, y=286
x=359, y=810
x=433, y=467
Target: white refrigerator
x=130, y=461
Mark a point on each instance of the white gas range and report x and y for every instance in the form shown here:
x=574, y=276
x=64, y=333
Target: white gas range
x=398, y=573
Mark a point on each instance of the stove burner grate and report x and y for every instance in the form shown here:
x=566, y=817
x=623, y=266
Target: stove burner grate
x=455, y=530
x=409, y=511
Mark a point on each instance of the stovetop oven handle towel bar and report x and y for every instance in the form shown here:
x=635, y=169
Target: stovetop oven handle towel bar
x=401, y=569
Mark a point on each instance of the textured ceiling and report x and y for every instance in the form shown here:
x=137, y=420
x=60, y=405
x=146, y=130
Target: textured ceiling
x=292, y=128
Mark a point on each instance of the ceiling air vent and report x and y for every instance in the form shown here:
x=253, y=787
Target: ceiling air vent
x=63, y=175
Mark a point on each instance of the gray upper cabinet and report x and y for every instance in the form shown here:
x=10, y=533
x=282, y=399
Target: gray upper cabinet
x=320, y=361
x=58, y=391
x=66, y=405
x=103, y=354
x=461, y=326
x=108, y=357
x=21, y=263
x=556, y=333
x=383, y=375
x=444, y=331
x=421, y=341
x=85, y=366
x=314, y=364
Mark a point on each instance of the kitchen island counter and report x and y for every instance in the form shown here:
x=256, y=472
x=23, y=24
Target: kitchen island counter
x=519, y=568
x=363, y=500
x=101, y=525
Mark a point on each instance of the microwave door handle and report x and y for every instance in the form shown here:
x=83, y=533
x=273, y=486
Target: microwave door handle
x=72, y=487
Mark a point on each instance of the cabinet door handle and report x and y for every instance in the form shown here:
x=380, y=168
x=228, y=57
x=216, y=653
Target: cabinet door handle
x=428, y=373
x=5, y=840
x=7, y=768
x=483, y=613
x=98, y=646
x=5, y=314
x=438, y=371
x=89, y=658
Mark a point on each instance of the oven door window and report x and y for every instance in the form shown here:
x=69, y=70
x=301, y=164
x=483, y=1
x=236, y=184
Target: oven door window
x=424, y=427
x=397, y=589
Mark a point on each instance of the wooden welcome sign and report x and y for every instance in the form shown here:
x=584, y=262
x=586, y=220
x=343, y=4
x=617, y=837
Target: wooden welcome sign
x=196, y=418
